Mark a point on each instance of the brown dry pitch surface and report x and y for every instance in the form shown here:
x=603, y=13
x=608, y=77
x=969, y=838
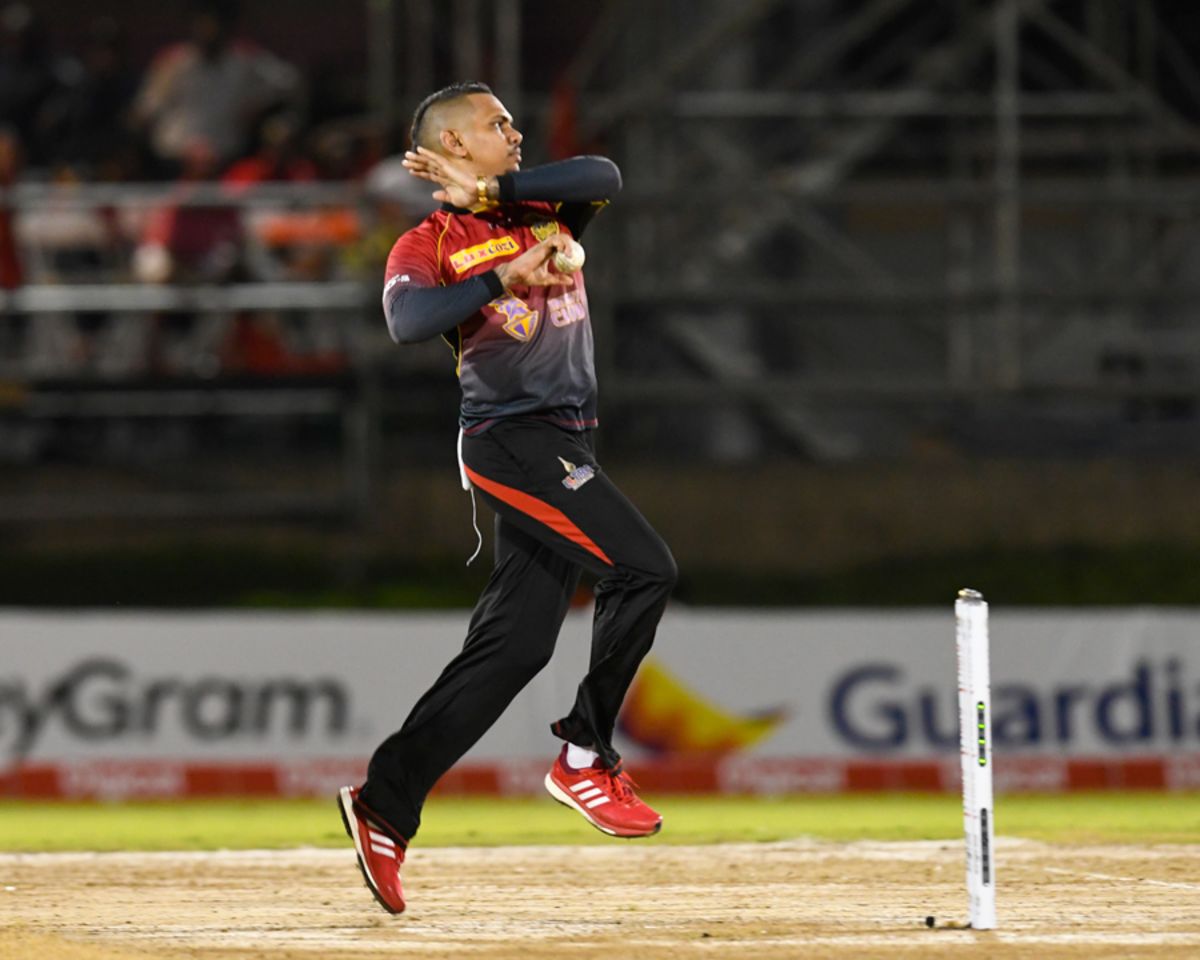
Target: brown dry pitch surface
x=803, y=898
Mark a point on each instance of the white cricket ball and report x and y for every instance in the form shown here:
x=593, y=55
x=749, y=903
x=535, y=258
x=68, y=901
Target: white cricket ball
x=571, y=259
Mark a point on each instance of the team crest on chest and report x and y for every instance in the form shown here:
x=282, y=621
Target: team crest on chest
x=521, y=319
x=543, y=229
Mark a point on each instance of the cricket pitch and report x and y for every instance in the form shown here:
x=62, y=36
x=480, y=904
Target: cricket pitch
x=802, y=898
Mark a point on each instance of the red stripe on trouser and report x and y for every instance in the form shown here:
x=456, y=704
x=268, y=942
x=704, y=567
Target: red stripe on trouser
x=541, y=511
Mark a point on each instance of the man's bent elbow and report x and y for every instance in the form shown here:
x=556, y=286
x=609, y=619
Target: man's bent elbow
x=613, y=173
x=393, y=327
x=401, y=336
x=604, y=176
x=400, y=331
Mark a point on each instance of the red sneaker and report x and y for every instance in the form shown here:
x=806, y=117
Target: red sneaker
x=380, y=850
x=604, y=797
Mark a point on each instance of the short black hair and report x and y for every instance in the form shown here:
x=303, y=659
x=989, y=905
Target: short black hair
x=453, y=92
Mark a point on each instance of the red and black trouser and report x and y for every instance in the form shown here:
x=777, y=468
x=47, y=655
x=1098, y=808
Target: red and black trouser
x=547, y=531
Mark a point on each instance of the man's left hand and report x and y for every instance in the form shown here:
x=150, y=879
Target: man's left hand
x=456, y=180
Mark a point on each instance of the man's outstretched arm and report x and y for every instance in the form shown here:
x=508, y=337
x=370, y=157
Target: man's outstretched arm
x=581, y=186
x=576, y=180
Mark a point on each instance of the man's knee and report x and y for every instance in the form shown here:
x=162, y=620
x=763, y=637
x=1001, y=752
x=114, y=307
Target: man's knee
x=660, y=572
x=668, y=570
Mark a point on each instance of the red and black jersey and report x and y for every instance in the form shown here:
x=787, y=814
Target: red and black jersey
x=526, y=351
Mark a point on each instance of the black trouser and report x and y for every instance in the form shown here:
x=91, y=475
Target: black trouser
x=546, y=531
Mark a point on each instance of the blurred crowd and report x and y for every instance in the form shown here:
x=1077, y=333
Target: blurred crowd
x=211, y=116
x=212, y=103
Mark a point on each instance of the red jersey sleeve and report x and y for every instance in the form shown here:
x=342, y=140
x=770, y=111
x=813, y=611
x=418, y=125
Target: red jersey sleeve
x=413, y=261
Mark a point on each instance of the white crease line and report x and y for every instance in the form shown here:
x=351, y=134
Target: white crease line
x=1175, y=884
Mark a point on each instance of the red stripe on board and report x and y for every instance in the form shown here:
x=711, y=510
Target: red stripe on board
x=1125, y=773
x=222, y=780
x=730, y=775
x=541, y=511
x=905, y=775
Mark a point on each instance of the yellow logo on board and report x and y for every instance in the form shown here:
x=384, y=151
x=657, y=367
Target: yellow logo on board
x=483, y=252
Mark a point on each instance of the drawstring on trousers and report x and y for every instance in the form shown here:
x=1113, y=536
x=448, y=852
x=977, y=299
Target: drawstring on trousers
x=475, y=527
x=466, y=485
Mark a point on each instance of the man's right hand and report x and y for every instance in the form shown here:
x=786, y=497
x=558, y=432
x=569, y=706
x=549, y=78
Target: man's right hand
x=534, y=268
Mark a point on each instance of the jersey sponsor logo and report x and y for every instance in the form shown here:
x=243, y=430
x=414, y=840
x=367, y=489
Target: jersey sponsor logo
x=470, y=257
x=576, y=476
x=522, y=319
x=570, y=307
x=543, y=229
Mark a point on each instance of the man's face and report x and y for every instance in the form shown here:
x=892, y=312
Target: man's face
x=486, y=132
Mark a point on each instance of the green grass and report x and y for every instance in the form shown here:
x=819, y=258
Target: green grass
x=205, y=825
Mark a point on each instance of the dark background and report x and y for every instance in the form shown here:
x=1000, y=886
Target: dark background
x=899, y=297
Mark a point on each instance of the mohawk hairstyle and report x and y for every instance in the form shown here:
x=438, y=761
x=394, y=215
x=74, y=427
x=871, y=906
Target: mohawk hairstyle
x=452, y=92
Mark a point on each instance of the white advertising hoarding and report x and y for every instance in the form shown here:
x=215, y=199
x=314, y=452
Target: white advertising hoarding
x=871, y=684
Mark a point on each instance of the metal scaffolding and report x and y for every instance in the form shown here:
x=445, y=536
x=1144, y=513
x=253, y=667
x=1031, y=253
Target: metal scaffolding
x=851, y=227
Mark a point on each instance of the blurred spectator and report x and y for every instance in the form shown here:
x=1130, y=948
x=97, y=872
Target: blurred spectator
x=349, y=148
x=396, y=201
x=334, y=151
x=85, y=122
x=277, y=155
x=266, y=344
x=29, y=76
x=211, y=89
x=64, y=241
x=292, y=244
x=10, y=166
x=296, y=244
x=190, y=243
